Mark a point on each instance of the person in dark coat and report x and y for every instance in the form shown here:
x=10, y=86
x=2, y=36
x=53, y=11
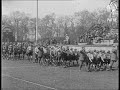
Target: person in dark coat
x=81, y=59
x=113, y=59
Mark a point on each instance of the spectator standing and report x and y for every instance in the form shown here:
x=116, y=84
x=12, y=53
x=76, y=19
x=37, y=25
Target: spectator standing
x=113, y=58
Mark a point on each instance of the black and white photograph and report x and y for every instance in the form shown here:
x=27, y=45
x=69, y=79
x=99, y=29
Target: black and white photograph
x=60, y=45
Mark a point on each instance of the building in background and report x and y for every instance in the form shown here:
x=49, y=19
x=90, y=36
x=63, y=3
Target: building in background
x=7, y=34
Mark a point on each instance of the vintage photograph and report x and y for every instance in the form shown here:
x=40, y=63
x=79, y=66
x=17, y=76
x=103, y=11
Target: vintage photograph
x=60, y=45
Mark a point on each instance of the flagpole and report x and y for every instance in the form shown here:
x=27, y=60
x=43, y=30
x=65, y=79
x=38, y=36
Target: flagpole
x=36, y=38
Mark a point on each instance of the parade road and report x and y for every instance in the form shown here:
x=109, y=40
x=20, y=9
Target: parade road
x=25, y=75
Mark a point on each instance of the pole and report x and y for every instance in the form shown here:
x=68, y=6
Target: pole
x=17, y=32
x=36, y=24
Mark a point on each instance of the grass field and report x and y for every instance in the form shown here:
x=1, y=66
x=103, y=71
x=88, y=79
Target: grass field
x=25, y=75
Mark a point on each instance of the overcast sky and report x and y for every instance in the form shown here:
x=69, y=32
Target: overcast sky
x=67, y=7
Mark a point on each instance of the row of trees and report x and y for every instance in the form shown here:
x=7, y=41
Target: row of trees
x=50, y=26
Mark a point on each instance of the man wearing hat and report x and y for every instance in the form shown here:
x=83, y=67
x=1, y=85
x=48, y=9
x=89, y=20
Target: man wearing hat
x=113, y=58
x=82, y=59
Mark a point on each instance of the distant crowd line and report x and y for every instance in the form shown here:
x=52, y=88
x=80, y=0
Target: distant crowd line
x=56, y=55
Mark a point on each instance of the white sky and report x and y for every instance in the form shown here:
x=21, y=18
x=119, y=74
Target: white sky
x=47, y=7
